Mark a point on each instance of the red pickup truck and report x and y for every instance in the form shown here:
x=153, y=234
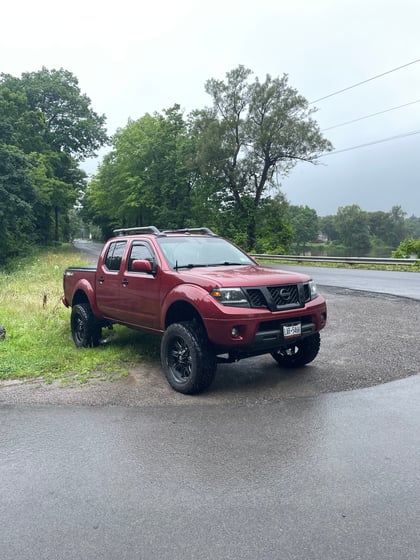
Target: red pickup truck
x=209, y=300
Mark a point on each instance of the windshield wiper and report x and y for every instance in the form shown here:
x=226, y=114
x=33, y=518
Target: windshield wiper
x=228, y=263
x=190, y=265
x=202, y=265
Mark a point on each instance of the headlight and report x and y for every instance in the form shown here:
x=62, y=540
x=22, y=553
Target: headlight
x=234, y=297
x=313, y=289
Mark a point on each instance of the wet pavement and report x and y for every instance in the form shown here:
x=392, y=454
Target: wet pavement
x=326, y=477
x=394, y=282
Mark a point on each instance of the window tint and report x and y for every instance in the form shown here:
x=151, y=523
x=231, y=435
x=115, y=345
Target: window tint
x=140, y=251
x=114, y=255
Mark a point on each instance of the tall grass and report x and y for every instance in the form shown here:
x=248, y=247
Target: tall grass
x=38, y=341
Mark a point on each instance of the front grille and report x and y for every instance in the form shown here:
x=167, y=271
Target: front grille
x=276, y=298
x=256, y=297
x=284, y=295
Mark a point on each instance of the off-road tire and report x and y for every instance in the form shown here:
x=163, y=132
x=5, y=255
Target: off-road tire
x=187, y=357
x=85, y=329
x=299, y=353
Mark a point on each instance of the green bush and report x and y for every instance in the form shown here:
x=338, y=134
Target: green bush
x=407, y=249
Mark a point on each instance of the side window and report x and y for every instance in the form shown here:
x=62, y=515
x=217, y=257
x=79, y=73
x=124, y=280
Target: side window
x=114, y=255
x=140, y=251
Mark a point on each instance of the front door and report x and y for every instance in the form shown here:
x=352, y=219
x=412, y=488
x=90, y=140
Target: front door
x=140, y=291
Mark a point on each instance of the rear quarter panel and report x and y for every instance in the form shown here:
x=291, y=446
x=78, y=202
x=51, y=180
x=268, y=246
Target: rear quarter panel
x=78, y=280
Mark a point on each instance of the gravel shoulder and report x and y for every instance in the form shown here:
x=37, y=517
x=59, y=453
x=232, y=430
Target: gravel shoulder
x=370, y=339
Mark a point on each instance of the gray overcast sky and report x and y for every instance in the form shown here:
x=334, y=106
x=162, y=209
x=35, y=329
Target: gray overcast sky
x=135, y=56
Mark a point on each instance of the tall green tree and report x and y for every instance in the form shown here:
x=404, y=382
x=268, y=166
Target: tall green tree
x=254, y=134
x=17, y=199
x=148, y=176
x=45, y=115
x=71, y=125
x=305, y=225
x=353, y=228
x=328, y=227
x=20, y=125
x=412, y=227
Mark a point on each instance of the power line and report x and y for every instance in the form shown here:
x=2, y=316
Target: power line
x=371, y=115
x=364, y=81
x=397, y=137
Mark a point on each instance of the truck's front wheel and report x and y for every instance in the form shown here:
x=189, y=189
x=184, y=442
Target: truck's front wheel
x=299, y=353
x=85, y=330
x=187, y=358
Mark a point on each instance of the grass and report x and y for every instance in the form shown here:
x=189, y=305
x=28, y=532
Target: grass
x=38, y=341
x=390, y=267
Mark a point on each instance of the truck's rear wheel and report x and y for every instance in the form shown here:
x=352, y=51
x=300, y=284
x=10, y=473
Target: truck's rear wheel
x=299, y=353
x=85, y=329
x=187, y=358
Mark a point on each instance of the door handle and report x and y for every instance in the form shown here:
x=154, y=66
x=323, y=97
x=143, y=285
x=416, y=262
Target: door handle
x=124, y=282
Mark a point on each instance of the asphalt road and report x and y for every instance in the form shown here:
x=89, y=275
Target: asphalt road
x=404, y=284
x=264, y=466
x=329, y=477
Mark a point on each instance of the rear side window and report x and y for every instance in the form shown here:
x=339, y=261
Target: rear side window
x=114, y=255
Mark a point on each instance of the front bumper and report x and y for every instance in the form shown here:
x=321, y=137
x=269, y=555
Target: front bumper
x=258, y=332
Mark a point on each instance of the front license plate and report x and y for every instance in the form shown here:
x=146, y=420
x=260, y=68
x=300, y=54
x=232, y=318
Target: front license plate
x=292, y=330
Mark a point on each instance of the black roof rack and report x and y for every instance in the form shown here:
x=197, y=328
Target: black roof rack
x=132, y=231
x=155, y=231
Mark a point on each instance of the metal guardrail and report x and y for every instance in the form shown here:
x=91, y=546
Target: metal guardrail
x=337, y=260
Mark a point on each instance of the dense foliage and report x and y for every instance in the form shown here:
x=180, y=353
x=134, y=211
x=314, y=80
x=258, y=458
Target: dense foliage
x=408, y=248
x=353, y=231
x=218, y=166
x=46, y=128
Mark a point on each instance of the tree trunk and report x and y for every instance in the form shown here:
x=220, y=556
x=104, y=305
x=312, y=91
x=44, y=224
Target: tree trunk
x=56, y=232
x=250, y=230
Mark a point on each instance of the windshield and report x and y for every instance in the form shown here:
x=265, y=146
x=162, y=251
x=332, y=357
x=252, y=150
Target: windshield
x=189, y=252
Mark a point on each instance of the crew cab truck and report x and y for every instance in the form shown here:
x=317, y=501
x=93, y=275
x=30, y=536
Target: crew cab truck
x=208, y=299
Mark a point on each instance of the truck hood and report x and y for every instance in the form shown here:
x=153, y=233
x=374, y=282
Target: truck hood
x=240, y=276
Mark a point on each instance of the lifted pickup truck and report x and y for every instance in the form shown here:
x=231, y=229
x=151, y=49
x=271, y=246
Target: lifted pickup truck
x=209, y=300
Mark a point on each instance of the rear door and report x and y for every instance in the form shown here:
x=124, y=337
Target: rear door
x=108, y=280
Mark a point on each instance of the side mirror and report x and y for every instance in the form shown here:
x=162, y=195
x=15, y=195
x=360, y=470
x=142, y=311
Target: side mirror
x=142, y=266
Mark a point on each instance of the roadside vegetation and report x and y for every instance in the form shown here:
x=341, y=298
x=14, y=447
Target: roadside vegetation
x=38, y=341
x=414, y=267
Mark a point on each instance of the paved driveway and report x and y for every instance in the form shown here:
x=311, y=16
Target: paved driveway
x=329, y=477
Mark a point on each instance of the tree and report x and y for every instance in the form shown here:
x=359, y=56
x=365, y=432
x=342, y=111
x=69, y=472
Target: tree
x=71, y=125
x=305, y=224
x=45, y=115
x=353, y=228
x=397, y=216
x=148, y=177
x=412, y=227
x=327, y=226
x=254, y=133
x=17, y=199
x=380, y=226
x=20, y=126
